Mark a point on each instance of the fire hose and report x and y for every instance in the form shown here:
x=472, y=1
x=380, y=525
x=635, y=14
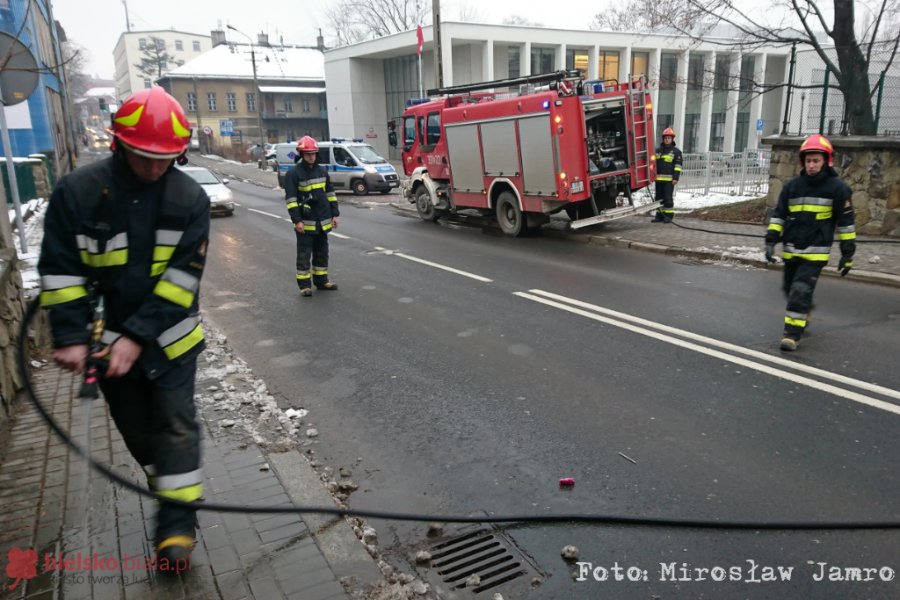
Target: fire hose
x=90, y=384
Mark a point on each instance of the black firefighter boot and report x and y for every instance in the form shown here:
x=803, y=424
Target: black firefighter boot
x=175, y=539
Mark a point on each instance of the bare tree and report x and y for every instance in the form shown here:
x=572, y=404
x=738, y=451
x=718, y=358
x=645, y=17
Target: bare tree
x=155, y=59
x=74, y=59
x=646, y=15
x=520, y=20
x=353, y=21
x=859, y=49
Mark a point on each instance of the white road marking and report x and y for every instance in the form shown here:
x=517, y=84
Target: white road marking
x=262, y=212
x=267, y=214
x=792, y=377
x=439, y=266
x=863, y=385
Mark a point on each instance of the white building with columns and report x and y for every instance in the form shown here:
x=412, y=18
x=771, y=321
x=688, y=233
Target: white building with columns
x=696, y=86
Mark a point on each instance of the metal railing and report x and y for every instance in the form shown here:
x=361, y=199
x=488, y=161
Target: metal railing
x=733, y=173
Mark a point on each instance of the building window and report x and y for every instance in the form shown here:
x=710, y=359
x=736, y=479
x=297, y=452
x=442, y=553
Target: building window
x=179, y=45
x=211, y=101
x=305, y=104
x=717, y=132
x=695, y=72
x=147, y=83
x=160, y=44
x=231, y=100
x=192, y=102
x=663, y=121
x=668, y=71
x=543, y=60
x=640, y=64
x=691, y=133
x=142, y=43
x=288, y=105
x=251, y=102
x=578, y=59
x=723, y=75
x=196, y=46
x=514, y=60
x=748, y=65
x=608, y=65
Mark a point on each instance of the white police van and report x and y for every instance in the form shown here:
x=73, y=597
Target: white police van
x=352, y=165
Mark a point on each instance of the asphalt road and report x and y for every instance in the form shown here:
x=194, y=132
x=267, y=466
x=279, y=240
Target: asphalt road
x=458, y=371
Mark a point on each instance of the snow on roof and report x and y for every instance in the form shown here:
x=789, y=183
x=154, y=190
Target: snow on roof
x=274, y=89
x=100, y=91
x=272, y=62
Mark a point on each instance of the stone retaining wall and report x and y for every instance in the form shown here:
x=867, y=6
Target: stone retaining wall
x=869, y=165
x=11, y=313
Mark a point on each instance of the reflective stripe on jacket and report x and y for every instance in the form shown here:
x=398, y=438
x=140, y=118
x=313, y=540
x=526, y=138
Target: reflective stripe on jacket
x=809, y=212
x=668, y=163
x=144, y=247
x=310, y=198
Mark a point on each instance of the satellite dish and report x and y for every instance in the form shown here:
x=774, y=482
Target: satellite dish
x=18, y=70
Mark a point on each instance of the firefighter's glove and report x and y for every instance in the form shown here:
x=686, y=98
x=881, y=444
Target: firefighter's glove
x=770, y=252
x=845, y=264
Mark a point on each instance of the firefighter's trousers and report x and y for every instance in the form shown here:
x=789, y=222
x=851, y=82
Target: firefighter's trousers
x=157, y=420
x=312, y=259
x=799, y=282
x=665, y=191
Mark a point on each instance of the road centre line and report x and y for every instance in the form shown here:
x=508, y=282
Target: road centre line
x=267, y=214
x=799, y=379
x=443, y=267
x=863, y=385
x=279, y=217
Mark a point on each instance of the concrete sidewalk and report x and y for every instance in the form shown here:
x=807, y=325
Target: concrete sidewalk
x=252, y=454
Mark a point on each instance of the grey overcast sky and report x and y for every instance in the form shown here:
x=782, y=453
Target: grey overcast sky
x=97, y=24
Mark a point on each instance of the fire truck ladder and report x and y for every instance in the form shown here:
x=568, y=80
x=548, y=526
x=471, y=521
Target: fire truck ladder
x=555, y=76
x=640, y=151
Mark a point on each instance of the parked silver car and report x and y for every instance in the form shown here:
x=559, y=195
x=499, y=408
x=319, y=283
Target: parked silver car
x=221, y=200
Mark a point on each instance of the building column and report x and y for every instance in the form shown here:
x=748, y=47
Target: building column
x=487, y=55
x=526, y=58
x=625, y=66
x=759, y=75
x=447, y=57
x=654, y=89
x=681, y=91
x=594, y=63
x=706, y=108
x=561, y=56
x=731, y=102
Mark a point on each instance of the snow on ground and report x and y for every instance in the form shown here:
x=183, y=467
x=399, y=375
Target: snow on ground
x=695, y=200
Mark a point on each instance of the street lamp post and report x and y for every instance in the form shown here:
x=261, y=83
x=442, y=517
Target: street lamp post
x=258, y=94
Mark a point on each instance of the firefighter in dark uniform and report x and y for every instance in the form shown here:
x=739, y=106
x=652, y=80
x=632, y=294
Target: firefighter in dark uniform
x=668, y=171
x=811, y=208
x=134, y=230
x=314, y=212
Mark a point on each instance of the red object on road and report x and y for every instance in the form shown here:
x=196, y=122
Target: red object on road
x=567, y=481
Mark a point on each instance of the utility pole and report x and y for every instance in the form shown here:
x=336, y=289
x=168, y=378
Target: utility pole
x=438, y=63
x=256, y=92
x=127, y=20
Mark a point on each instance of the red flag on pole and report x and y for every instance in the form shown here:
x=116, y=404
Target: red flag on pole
x=420, y=40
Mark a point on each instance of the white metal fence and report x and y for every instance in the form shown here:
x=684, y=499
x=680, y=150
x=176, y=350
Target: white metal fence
x=737, y=174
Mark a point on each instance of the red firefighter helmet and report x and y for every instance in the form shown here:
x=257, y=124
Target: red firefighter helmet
x=307, y=144
x=151, y=123
x=669, y=131
x=818, y=143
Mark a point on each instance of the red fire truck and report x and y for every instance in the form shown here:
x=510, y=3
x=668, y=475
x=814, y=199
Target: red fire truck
x=556, y=143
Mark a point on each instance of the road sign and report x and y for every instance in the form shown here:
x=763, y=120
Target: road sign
x=759, y=124
x=226, y=127
x=207, y=130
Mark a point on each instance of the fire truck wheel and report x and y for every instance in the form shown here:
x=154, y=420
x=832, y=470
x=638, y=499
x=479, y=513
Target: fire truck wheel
x=426, y=210
x=359, y=187
x=509, y=215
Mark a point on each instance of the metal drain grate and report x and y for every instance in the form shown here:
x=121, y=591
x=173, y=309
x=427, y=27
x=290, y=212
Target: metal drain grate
x=484, y=552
